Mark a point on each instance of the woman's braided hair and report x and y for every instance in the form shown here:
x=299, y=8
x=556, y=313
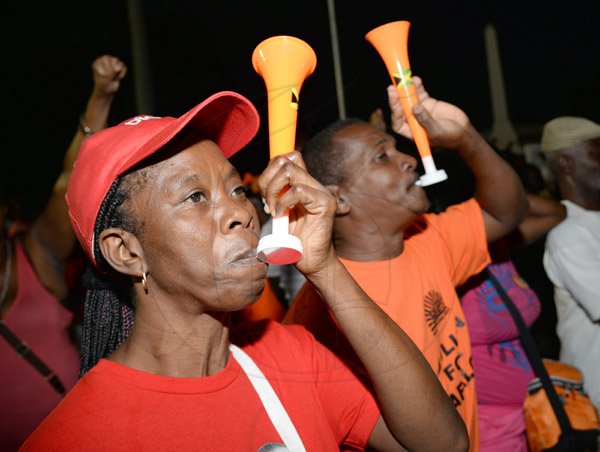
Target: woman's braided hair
x=109, y=304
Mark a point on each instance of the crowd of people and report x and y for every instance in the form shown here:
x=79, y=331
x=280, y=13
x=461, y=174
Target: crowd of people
x=388, y=329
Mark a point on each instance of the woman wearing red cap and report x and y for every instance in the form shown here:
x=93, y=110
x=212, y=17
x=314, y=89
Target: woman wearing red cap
x=164, y=217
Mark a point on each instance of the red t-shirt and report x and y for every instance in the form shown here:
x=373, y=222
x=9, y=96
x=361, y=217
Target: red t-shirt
x=38, y=318
x=417, y=290
x=114, y=407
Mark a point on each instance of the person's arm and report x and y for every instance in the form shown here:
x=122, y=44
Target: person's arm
x=498, y=189
x=50, y=240
x=542, y=216
x=412, y=401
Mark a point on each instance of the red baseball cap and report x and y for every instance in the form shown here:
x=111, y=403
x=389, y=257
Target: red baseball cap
x=227, y=118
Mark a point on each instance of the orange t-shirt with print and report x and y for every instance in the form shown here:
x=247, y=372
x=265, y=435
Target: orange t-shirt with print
x=417, y=290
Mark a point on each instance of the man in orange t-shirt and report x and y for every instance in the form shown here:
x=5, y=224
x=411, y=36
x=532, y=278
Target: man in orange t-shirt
x=409, y=262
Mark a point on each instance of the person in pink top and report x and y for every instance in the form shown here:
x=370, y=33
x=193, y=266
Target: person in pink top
x=38, y=361
x=501, y=366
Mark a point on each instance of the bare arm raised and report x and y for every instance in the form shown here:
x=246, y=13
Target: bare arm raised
x=412, y=401
x=498, y=188
x=542, y=216
x=51, y=239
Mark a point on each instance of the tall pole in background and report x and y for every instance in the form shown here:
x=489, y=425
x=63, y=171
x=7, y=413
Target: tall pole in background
x=337, y=67
x=142, y=79
x=503, y=134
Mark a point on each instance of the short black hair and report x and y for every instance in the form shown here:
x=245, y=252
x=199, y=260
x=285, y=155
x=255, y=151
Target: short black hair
x=323, y=157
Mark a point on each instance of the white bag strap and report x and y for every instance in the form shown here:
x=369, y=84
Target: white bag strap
x=279, y=417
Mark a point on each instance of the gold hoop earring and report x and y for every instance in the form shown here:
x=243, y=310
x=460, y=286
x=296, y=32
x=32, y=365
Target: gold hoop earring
x=145, y=283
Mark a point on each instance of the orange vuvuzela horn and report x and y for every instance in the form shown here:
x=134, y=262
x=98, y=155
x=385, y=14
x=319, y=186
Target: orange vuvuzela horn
x=391, y=42
x=283, y=62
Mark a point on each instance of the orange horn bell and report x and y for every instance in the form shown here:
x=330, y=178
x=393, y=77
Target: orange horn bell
x=284, y=62
x=391, y=42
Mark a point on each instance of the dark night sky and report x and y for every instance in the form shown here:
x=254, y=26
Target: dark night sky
x=550, y=53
